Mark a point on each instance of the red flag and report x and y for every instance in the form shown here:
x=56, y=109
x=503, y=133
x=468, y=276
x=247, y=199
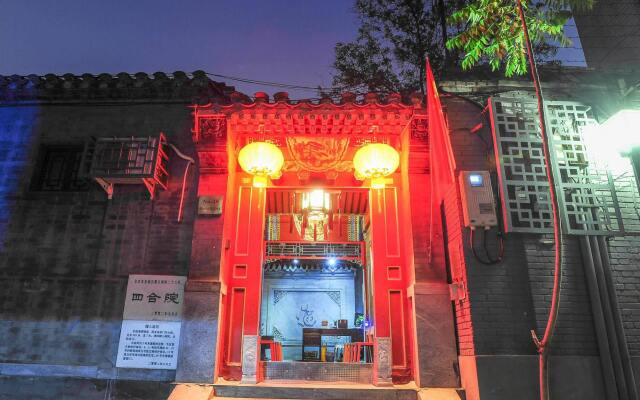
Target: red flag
x=443, y=163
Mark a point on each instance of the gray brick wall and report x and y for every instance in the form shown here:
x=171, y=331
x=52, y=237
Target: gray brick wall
x=65, y=257
x=625, y=262
x=509, y=299
x=575, y=334
x=610, y=34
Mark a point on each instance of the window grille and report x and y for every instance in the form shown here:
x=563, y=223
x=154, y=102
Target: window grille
x=587, y=193
x=128, y=160
x=322, y=250
x=58, y=169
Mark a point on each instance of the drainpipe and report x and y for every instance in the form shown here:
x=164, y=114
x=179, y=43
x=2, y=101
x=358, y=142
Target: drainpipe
x=619, y=328
x=190, y=161
x=598, y=320
x=608, y=318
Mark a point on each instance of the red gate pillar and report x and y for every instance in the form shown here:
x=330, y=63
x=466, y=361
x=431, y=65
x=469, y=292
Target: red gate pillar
x=243, y=277
x=389, y=288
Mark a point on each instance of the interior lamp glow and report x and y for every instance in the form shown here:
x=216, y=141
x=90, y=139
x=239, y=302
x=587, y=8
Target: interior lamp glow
x=262, y=160
x=316, y=204
x=375, y=161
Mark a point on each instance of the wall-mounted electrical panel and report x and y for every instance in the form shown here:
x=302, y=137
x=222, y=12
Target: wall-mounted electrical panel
x=478, y=202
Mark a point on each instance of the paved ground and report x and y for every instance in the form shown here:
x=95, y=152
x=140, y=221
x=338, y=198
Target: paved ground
x=39, y=388
x=52, y=388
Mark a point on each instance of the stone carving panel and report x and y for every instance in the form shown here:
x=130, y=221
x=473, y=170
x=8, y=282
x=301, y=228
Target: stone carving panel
x=318, y=154
x=278, y=295
x=212, y=130
x=293, y=309
x=292, y=303
x=249, y=358
x=384, y=360
x=277, y=335
x=335, y=296
x=305, y=316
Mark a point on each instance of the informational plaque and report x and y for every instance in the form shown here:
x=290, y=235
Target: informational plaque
x=210, y=205
x=154, y=297
x=150, y=332
x=149, y=344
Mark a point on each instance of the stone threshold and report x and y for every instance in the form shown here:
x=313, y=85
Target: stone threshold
x=314, y=390
x=322, y=391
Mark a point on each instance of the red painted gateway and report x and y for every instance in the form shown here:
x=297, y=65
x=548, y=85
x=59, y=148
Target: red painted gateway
x=326, y=220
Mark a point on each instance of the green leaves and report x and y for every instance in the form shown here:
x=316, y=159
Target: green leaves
x=395, y=36
x=494, y=33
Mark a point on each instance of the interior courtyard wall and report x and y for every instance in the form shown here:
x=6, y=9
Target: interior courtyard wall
x=322, y=296
x=65, y=256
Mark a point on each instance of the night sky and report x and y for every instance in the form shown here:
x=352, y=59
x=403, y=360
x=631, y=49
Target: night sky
x=285, y=41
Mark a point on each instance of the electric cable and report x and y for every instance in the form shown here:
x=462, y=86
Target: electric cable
x=267, y=83
x=332, y=89
x=489, y=260
x=500, y=240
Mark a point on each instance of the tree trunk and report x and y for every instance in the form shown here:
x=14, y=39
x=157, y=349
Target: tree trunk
x=442, y=12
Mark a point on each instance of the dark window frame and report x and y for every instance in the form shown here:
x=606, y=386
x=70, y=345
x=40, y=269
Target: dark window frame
x=58, y=169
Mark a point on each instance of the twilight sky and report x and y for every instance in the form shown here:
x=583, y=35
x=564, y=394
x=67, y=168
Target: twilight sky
x=289, y=41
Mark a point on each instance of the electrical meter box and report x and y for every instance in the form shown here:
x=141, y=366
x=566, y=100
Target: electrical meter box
x=478, y=203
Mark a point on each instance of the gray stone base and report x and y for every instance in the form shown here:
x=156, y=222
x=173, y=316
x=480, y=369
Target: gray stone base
x=436, y=343
x=249, y=359
x=383, y=362
x=197, y=356
x=516, y=377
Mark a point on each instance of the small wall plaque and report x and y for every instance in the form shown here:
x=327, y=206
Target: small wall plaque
x=210, y=205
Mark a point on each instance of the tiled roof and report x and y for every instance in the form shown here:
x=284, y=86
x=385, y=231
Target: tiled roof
x=178, y=86
x=195, y=87
x=281, y=100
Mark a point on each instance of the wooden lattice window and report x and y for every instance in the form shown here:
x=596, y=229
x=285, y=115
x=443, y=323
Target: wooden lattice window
x=58, y=169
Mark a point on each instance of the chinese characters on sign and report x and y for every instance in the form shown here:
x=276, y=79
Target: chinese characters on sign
x=149, y=344
x=150, y=331
x=210, y=205
x=154, y=297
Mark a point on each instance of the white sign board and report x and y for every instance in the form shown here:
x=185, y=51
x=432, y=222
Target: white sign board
x=150, y=332
x=154, y=297
x=149, y=344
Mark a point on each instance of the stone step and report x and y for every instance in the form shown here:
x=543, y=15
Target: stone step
x=305, y=391
x=441, y=394
x=313, y=391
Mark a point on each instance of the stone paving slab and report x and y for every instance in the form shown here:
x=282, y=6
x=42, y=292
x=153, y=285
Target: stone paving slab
x=58, y=388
